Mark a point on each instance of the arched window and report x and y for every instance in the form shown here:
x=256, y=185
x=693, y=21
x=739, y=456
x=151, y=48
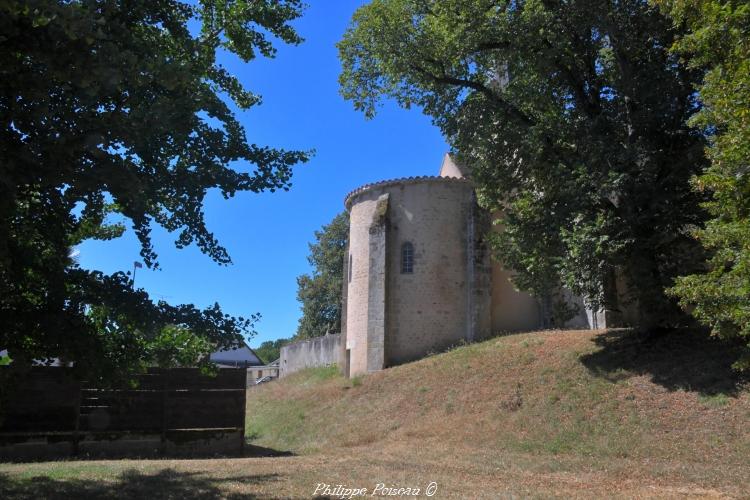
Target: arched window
x=407, y=258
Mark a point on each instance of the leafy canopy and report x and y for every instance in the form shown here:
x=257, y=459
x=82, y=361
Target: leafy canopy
x=270, y=350
x=320, y=292
x=719, y=41
x=572, y=116
x=122, y=108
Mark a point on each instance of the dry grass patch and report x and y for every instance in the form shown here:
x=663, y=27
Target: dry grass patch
x=581, y=401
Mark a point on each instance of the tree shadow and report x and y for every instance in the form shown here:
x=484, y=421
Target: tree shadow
x=254, y=451
x=684, y=359
x=131, y=484
x=45, y=455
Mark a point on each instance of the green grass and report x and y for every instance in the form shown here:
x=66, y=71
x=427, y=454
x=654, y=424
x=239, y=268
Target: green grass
x=278, y=425
x=552, y=393
x=280, y=420
x=318, y=374
x=714, y=400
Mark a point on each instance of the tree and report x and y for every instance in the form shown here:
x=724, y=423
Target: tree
x=122, y=108
x=270, y=350
x=719, y=41
x=320, y=292
x=572, y=116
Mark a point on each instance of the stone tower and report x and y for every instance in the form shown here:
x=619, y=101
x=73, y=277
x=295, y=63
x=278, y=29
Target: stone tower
x=418, y=274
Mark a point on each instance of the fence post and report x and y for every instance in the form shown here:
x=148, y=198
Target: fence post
x=164, y=416
x=77, y=424
x=244, y=416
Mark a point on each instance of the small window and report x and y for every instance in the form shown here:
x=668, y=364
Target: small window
x=407, y=258
x=350, y=268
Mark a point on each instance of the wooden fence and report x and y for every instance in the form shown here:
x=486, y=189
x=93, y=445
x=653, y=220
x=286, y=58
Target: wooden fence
x=172, y=411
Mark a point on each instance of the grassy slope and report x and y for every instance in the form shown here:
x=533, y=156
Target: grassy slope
x=665, y=413
x=539, y=415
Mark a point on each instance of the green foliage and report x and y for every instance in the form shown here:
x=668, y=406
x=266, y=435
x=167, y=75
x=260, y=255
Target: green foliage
x=175, y=346
x=270, y=350
x=320, y=292
x=572, y=117
x=120, y=108
x=719, y=41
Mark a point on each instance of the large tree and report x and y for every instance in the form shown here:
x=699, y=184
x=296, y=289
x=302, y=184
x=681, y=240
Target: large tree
x=320, y=292
x=572, y=116
x=120, y=107
x=719, y=41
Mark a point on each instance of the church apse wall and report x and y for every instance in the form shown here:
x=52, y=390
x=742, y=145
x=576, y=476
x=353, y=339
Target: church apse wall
x=431, y=293
x=416, y=282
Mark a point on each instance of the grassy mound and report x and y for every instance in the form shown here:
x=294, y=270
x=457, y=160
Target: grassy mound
x=582, y=395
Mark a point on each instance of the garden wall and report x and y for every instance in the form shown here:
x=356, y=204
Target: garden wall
x=318, y=351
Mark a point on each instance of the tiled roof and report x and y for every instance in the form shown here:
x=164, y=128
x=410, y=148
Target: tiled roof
x=402, y=180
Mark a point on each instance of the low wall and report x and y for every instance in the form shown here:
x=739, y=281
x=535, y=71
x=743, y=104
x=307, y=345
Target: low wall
x=319, y=351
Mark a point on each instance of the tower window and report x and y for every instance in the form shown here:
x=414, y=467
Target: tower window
x=407, y=258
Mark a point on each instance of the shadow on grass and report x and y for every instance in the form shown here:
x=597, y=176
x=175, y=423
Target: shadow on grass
x=44, y=455
x=689, y=360
x=252, y=450
x=131, y=484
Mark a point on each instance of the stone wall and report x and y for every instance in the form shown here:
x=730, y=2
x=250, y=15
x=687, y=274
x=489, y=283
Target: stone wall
x=434, y=306
x=393, y=317
x=319, y=351
x=512, y=310
x=365, y=292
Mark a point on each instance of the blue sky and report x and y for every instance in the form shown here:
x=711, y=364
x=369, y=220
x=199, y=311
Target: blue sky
x=267, y=235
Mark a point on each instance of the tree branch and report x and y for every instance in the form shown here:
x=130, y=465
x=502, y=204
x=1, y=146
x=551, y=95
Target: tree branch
x=479, y=87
